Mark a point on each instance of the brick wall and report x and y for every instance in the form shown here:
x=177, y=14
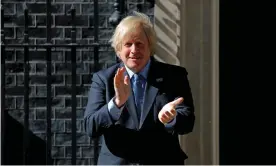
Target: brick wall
x=61, y=72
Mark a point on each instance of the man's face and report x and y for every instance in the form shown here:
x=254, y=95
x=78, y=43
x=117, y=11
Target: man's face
x=135, y=51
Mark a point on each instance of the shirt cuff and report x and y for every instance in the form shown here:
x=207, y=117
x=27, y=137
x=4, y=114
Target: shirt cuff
x=113, y=110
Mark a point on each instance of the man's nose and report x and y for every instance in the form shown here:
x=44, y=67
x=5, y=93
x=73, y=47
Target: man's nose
x=134, y=48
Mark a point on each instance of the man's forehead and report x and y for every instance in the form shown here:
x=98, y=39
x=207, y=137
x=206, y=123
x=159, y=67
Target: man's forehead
x=131, y=38
x=134, y=35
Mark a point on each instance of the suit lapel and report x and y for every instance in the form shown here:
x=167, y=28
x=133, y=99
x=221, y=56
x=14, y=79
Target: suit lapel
x=150, y=94
x=153, y=81
x=130, y=105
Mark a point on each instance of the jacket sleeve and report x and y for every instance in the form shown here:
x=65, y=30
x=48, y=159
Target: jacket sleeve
x=96, y=115
x=185, y=117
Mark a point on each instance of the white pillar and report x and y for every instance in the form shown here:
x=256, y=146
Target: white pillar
x=187, y=32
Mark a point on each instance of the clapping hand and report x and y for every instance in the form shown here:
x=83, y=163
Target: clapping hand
x=122, y=87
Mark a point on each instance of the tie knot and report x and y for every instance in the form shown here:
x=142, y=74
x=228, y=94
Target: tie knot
x=138, y=77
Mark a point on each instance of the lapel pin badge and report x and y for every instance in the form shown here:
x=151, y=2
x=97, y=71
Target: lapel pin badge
x=159, y=79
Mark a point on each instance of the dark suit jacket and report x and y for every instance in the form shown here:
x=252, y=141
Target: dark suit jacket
x=148, y=142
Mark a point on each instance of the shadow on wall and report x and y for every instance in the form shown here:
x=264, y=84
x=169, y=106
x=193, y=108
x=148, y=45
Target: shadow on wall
x=14, y=141
x=166, y=25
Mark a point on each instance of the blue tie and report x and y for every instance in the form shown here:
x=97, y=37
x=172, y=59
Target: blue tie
x=138, y=90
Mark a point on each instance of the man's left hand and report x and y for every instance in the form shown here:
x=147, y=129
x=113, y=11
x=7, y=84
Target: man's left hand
x=168, y=112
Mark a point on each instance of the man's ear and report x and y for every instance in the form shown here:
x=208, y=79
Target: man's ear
x=118, y=54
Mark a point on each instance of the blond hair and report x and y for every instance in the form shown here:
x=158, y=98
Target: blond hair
x=129, y=23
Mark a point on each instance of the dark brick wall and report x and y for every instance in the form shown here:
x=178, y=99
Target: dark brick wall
x=61, y=72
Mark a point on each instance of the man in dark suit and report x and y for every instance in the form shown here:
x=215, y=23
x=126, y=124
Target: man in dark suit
x=139, y=106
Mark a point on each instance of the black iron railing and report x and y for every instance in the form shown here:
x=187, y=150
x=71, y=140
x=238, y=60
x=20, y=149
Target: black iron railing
x=73, y=45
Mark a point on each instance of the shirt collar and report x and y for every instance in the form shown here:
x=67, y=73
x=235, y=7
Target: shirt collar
x=143, y=72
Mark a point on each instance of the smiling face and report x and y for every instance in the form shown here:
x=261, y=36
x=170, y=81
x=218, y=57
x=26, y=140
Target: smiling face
x=135, y=50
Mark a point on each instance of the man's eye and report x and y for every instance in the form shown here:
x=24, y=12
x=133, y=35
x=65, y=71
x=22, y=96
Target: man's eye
x=128, y=44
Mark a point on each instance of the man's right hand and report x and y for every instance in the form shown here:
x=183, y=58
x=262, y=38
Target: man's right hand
x=122, y=87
